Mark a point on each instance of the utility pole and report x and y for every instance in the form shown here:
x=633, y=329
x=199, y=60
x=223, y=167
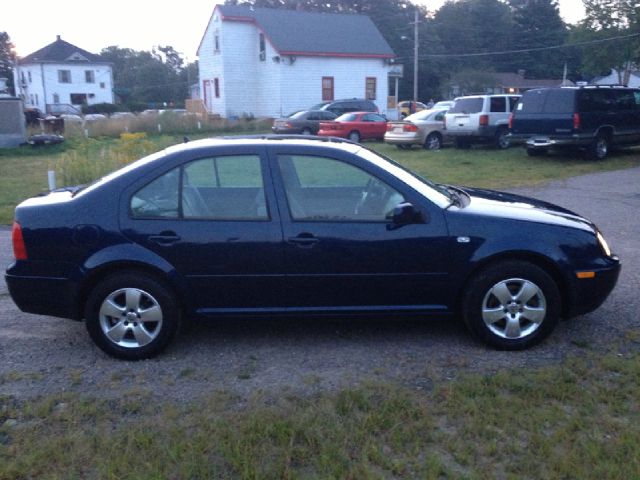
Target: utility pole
x=415, y=56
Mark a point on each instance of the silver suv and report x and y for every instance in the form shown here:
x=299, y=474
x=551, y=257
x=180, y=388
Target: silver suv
x=480, y=119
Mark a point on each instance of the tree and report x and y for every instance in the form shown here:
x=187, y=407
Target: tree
x=537, y=24
x=7, y=57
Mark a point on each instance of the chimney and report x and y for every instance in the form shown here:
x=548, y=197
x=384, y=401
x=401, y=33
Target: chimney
x=58, y=37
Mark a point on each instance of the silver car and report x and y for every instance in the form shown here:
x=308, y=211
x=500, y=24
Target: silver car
x=425, y=128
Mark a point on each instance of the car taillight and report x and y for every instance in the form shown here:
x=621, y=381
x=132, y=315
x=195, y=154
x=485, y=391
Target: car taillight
x=510, y=121
x=410, y=128
x=576, y=121
x=484, y=120
x=389, y=127
x=19, y=248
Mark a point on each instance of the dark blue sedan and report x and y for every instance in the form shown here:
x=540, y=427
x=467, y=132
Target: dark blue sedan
x=273, y=226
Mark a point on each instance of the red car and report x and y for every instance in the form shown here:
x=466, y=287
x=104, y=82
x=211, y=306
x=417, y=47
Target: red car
x=355, y=126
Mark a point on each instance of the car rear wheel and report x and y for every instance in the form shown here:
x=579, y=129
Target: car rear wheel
x=462, y=143
x=599, y=148
x=511, y=305
x=132, y=316
x=354, y=136
x=502, y=139
x=433, y=141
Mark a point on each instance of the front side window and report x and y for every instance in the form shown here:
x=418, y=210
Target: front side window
x=64, y=76
x=325, y=189
x=217, y=188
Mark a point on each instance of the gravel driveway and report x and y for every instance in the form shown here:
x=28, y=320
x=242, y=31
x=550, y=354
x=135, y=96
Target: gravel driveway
x=42, y=355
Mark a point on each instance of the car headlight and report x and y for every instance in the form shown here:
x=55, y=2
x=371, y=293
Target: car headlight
x=603, y=244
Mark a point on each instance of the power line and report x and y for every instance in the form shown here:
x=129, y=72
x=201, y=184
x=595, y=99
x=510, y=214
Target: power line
x=524, y=50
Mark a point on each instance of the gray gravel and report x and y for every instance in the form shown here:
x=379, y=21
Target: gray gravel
x=44, y=355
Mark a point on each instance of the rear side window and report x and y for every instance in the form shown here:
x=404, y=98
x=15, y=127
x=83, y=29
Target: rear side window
x=468, y=105
x=596, y=100
x=625, y=99
x=547, y=101
x=498, y=104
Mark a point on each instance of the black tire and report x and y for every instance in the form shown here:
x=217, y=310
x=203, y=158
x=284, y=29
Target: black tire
x=501, y=140
x=131, y=323
x=354, y=136
x=307, y=131
x=433, y=141
x=512, y=275
x=462, y=143
x=536, y=152
x=599, y=148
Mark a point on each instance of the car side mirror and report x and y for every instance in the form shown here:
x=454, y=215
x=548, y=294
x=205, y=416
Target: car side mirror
x=405, y=214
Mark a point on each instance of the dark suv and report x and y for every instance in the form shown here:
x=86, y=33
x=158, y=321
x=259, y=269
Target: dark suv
x=347, y=105
x=593, y=118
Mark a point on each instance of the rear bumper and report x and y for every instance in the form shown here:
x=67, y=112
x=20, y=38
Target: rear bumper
x=481, y=133
x=589, y=294
x=57, y=297
x=543, y=142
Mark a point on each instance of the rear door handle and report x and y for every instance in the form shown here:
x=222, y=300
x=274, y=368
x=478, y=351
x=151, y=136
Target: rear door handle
x=164, y=238
x=303, y=240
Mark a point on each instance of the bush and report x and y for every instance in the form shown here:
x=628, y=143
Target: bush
x=104, y=108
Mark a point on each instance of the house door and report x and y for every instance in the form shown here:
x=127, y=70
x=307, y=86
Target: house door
x=208, y=97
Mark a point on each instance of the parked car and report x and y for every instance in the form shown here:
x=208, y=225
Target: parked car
x=425, y=128
x=481, y=119
x=355, y=126
x=593, y=118
x=117, y=115
x=443, y=104
x=304, y=122
x=259, y=227
x=409, y=107
x=71, y=118
x=32, y=116
x=347, y=105
x=93, y=117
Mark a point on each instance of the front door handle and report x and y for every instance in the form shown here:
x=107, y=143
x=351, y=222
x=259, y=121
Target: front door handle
x=303, y=240
x=164, y=239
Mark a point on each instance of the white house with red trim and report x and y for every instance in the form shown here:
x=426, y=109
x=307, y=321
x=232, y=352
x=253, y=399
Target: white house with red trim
x=270, y=62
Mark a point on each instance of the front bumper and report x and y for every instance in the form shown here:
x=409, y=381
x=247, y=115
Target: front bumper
x=589, y=294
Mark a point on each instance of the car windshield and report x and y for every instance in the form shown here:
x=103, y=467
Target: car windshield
x=467, y=105
x=319, y=106
x=422, y=115
x=437, y=194
x=347, y=117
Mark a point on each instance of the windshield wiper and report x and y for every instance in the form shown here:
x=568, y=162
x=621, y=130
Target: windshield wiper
x=459, y=197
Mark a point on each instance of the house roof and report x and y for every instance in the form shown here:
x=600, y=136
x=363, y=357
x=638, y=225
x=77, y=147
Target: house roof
x=517, y=80
x=293, y=32
x=61, y=51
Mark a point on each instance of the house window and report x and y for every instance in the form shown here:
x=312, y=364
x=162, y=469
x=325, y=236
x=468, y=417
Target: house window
x=216, y=88
x=23, y=78
x=102, y=85
x=64, y=76
x=263, y=48
x=327, y=88
x=216, y=42
x=370, y=88
x=29, y=74
x=37, y=100
x=56, y=98
x=78, y=98
x=90, y=76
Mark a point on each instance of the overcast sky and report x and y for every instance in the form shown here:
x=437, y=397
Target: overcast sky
x=137, y=24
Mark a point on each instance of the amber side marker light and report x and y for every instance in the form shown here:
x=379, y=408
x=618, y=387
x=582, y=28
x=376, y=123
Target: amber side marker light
x=583, y=275
x=19, y=248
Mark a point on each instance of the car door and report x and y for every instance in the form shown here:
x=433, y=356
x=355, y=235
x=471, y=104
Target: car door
x=213, y=219
x=376, y=125
x=341, y=251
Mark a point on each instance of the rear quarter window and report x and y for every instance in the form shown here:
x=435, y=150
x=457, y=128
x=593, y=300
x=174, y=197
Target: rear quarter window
x=468, y=105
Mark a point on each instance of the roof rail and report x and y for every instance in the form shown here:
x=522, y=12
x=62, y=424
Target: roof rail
x=604, y=85
x=273, y=136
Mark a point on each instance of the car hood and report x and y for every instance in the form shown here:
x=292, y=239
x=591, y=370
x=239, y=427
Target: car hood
x=518, y=207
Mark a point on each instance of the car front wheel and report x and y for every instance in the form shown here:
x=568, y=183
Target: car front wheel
x=354, y=136
x=511, y=305
x=132, y=316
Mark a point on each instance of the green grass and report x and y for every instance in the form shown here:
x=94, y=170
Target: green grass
x=579, y=419
x=23, y=172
